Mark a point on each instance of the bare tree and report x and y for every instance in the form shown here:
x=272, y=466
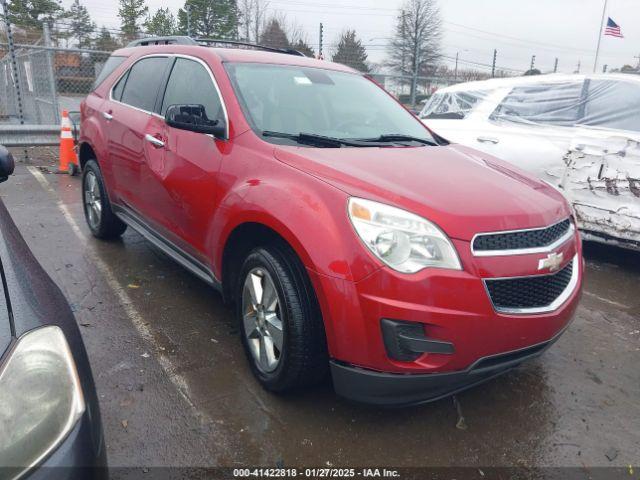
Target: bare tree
x=416, y=42
x=252, y=18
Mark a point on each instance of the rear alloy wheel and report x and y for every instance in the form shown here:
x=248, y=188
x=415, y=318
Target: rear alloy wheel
x=279, y=319
x=92, y=201
x=101, y=220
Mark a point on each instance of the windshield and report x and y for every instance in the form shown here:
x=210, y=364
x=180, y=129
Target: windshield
x=293, y=100
x=452, y=105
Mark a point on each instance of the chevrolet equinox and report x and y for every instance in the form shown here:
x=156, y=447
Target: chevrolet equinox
x=350, y=238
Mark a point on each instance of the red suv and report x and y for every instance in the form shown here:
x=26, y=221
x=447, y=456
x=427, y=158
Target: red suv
x=349, y=236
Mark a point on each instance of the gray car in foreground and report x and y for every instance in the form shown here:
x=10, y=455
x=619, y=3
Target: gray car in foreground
x=49, y=418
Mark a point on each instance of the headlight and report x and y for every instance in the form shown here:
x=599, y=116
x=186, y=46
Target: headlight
x=404, y=241
x=40, y=397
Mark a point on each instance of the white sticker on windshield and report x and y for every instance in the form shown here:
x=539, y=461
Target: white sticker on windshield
x=302, y=80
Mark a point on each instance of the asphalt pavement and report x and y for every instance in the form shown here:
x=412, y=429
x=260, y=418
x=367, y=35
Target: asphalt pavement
x=176, y=390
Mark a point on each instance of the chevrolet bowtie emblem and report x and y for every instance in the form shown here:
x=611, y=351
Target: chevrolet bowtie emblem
x=552, y=262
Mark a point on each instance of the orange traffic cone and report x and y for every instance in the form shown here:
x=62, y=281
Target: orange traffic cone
x=68, y=158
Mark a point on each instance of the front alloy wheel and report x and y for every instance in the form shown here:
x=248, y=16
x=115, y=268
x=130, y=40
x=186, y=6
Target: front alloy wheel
x=263, y=326
x=279, y=320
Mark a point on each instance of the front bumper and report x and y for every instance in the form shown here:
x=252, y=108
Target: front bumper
x=451, y=309
x=398, y=390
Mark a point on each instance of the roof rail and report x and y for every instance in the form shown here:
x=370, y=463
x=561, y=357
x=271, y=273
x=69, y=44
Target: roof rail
x=170, y=40
x=219, y=41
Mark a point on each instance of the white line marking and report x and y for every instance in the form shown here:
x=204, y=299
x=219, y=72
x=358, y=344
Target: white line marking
x=606, y=300
x=136, y=318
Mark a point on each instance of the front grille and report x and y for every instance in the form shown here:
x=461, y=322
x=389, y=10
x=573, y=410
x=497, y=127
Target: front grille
x=508, y=294
x=541, y=237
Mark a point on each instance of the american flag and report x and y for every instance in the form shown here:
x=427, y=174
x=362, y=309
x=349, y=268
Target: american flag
x=613, y=29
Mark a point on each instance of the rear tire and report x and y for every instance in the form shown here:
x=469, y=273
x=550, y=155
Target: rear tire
x=274, y=290
x=102, y=222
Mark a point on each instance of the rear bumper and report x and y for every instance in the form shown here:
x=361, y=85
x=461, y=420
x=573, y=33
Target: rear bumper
x=397, y=390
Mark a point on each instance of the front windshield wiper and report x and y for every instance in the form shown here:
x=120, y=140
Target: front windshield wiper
x=398, y=137
x=313, y=139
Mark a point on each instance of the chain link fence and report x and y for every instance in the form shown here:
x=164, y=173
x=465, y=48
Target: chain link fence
x=39, y=78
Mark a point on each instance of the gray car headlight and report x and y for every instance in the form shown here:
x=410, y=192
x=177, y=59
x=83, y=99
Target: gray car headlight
x=40, y=397
x=404, y=241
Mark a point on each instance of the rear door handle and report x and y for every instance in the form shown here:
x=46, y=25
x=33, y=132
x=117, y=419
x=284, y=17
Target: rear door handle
x=107, y=116
x=488, y=140
x=156, y=142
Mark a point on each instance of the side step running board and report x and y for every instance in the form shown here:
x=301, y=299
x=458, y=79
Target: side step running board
x=167, y=247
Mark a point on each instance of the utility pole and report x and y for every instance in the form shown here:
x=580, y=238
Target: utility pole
x=604, y=13
x=493, y=66
x=188, y=8
x=533, y=62
x=555, y=66
x=14, y=62
x=455, y=75
x=320, y=43
x=638, y=57
x=579, y=65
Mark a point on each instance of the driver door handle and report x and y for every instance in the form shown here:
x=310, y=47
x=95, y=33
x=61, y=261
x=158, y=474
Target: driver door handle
x=156, y=142
x=107, y=116
x=488, y=140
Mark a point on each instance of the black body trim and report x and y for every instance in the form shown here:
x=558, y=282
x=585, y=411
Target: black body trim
x=399, y=390
x=167, y=247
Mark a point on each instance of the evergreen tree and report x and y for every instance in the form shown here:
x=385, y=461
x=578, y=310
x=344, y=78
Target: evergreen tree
x=105, y=41
x=351, y=52
x=81, y=27
x=161, y=23
x=274, y=35
x=31, y=13
x=130, y=13
x=210, y=18
x=303, y=47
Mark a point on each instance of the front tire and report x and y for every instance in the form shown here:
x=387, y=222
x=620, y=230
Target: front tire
x=280, y=321
x=102, y=222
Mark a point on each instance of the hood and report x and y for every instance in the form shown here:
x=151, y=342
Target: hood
x=463, y=191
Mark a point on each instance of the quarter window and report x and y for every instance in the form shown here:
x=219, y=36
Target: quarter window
x=143, y=81
x=613, y=104
x=110, y=65
x=191, y=84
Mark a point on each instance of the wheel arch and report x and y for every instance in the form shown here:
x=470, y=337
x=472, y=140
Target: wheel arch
x=250, y=234
x=85, y=153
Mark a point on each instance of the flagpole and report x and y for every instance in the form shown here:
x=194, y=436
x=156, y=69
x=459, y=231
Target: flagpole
x=604, y=12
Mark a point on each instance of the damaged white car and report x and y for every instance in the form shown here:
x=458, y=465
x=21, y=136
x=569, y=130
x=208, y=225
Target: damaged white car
x=580, y=133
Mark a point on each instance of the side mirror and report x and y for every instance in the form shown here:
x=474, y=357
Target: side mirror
x=6, y=164
x=193, y=118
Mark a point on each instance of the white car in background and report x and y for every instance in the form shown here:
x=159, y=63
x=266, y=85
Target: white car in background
x=580, y=133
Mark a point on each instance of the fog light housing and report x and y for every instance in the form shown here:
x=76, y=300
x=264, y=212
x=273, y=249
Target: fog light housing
x=406, y=341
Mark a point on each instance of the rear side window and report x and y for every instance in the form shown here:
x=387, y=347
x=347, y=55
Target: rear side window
x=109, y=66
x=190, y=83
x=143, y=81
x=550, y=104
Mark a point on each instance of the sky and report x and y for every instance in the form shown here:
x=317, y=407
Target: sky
x=518, y=29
